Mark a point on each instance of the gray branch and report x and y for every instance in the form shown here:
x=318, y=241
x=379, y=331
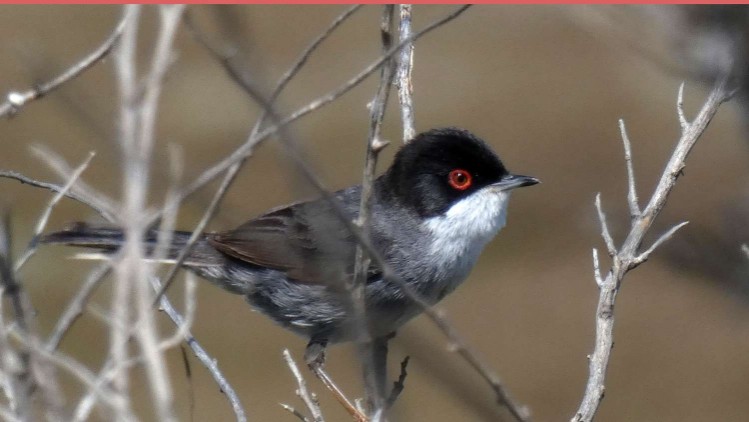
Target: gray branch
x=15, y=101
x=628, y=256
x=405, y=69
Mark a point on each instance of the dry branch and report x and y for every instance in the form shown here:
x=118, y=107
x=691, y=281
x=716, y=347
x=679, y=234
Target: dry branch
x=628, y=256
x=15, y=100
x=373, y=355
x=307, y=397
x=405, y=69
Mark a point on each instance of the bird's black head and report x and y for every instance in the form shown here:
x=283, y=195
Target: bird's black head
x=442, y=166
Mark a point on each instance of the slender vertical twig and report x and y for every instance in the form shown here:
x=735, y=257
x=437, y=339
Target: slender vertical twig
x=125, y=68
x=307, y=397
x=374, y=365
x=405, y=70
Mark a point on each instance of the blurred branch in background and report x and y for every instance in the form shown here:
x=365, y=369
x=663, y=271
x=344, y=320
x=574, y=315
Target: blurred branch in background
x=16, y=100
x=629, y=255
x=153, y=346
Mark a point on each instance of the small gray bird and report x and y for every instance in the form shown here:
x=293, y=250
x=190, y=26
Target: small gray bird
x=441, y=201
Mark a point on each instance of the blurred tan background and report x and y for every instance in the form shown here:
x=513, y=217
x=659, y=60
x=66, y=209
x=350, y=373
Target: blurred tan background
x=543, y=85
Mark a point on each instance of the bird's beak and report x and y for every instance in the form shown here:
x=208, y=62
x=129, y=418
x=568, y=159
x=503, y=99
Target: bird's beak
x=512, y=181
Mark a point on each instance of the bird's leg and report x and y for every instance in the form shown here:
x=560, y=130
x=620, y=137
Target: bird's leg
x=379, y=354
x=314, y=356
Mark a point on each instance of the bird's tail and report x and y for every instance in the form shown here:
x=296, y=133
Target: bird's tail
x=107, y=240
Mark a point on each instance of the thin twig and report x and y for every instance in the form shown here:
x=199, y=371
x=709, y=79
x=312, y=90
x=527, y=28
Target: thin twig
x=77, y=305
x=70, y=365
x=59, y=165
x=374, y=367
x=207, y=360
x=663, y=238
x=32, y=373
x=15, y=100
x=197, y=232
x=634, y=206
x=302, y=60
x=605, y=233
x=405, y=69
x=683, y=122
x=21, y=382
x=294, y=412
x=308, y=398
x=83, y=199
x=42, y=222
x=400, y=384
x=328, y=382
x=597, y=268
x=628, y=257
x=126, y=269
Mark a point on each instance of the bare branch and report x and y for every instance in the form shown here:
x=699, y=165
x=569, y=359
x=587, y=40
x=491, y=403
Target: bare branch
x=683, y=122
x=634, y=206
x=58, y=164
x=77, y=305
x=664, y=237
x=21, y=383
x=405, y=69
x=627, y=257
x=308, y=398
x=302, y=60
x=597, y=268
x=198, y=231
x=745, y=248
x=605, y=228
x=42, y=222
x=375, y=374
x=15, y=100
x=72, y=366
x=328, y=382
x=207, y=360
x=294, y=412
x=83, y=199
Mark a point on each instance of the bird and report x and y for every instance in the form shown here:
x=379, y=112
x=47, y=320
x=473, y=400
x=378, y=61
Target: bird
x=433, y=211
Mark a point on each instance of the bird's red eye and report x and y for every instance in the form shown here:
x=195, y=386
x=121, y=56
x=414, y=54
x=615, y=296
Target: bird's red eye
x=460, y=179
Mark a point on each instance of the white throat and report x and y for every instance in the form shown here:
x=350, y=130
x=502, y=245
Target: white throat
x=460, y=234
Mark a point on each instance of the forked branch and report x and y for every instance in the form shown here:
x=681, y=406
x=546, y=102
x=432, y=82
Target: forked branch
x=629, y=255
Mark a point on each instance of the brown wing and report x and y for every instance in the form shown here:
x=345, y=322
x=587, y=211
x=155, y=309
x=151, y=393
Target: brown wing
x=304, y=240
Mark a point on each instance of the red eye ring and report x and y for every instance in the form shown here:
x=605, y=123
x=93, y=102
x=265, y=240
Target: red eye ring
x=460, y=179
